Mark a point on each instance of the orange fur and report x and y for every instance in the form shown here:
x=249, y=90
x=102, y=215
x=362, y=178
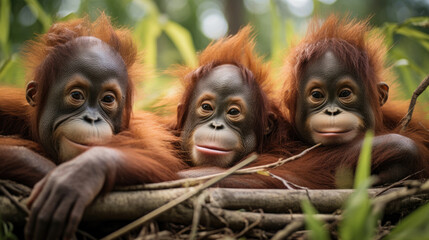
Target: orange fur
x=362, y=50
x=144, y=142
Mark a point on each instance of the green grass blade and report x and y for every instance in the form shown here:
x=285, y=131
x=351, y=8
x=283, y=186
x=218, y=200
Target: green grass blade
x=182, y=39
x=414, y=226
x=317, y=230
x=364, y=165
x=358, y=221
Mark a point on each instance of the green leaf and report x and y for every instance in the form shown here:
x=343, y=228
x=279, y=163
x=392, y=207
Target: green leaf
x=317, y=230
x=4, y=26
x=40, y=13
x=413, y=226
x=412, y=33
x=358, y=221
x=364, y=165
x=182, y=39
x=418, y=21
x=147, y=32
x=12, y=71
x=388, y=29
x=276, y=45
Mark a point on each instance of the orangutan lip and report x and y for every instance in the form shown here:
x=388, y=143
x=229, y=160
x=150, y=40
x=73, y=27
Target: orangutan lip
x=81, y=145
x=333, y=133
x=212, y=149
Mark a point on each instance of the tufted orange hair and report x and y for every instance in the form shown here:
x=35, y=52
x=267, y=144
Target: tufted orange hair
x=237, y=50
x=49, y=51
x=360, y=49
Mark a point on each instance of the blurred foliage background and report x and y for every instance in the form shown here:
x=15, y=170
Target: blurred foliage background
x=172, y=31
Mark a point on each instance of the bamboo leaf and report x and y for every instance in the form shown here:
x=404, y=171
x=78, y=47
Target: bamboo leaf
x=147, y=32
x=40, y=13
x=317, y=230
x=412, y=33
x=4, y=26
x=182, y=39
x=276, y=44
x=418, y=21
x=12, y=71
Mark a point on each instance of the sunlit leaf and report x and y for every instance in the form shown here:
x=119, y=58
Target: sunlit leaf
x=4, y=26
x=182, y=39
x=12, y=71
x=418, y=21
x=40, y=13
x=317, y=230
x=262, y=172
x=276, y=45
x=146, y=33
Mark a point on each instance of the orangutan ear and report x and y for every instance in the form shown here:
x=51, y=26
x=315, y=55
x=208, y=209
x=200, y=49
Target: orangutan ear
x=383, y=91
x=31, y=92
x=272, y=118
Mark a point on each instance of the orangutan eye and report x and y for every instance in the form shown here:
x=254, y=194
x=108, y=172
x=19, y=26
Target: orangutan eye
x=108, y=99
x=317, y=94
x=207, y=107
x=345, y=93
x=234, y=111
x=77, y=95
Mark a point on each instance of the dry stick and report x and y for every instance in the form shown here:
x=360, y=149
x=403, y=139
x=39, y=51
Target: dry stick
x=398, y=183
x=380, y=202
x=248, y=228
x=179, y=200
x=198, y=204
x=420, y=89
x=187, y=182
x=14, y=201
x=288, y=230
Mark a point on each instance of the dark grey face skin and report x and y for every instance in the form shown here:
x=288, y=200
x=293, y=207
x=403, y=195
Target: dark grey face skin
x=219, y=128
x=332, y=106
x=85, y=104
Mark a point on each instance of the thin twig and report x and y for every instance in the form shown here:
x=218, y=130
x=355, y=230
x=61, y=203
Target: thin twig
x=420, y=89
x=380, y=202
x=288, y=230
x=278, y=163
x=188, y=182
x=19, y=205
x=179, y=200
x=398, y=183
x=287, y=183
x=198, y=204
x=248, y=228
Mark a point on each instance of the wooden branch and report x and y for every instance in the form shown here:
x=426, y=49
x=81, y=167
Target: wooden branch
x=129, y=206
x=180, y=199
x=420, y=89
